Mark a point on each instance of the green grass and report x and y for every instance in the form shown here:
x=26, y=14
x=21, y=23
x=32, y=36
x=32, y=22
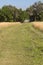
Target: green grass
x=21, y=45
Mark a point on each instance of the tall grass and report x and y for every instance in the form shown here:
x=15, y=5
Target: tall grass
x=21, y=45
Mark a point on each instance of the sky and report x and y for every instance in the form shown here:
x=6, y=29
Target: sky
x=18, y=3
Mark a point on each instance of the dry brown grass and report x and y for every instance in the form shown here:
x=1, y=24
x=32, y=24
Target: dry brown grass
x=6, y=24
x=38, y=25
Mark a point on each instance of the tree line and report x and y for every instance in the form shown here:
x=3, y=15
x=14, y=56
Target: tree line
x=12, y=14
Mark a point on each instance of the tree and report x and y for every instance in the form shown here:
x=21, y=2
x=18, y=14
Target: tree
x=12, y=14
x=36, y=11
x=7, y=12
x=2, y=16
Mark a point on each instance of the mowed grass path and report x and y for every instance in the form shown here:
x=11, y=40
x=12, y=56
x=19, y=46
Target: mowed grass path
x=21, y=45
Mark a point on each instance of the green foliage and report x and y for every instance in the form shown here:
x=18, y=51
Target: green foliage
x=2, y=16
x=36, y=11
x=23, y=15
x=7, y=12
x=41, y=15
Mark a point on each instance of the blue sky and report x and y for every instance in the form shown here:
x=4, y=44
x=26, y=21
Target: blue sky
x=18, y=3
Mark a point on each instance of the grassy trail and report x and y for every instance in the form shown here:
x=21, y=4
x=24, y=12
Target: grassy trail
x=21, y=45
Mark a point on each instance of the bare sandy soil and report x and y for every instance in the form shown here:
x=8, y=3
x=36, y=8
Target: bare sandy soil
x=6, y=24
x=38, y=25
